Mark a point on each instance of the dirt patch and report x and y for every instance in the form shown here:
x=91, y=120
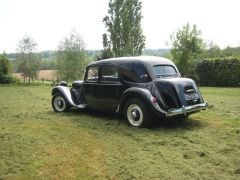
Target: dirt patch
x=43, y=74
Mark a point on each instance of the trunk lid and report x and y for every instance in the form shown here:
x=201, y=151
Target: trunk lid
x=178, y=92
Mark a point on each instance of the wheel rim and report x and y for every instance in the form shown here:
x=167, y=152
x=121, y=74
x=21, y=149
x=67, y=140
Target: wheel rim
x=59, y=103
x=135, y=115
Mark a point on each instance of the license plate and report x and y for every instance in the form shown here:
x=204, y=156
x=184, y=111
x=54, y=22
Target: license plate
x=191, y=96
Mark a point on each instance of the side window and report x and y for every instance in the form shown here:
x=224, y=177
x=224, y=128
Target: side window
x=136, y=72
x=92, y=74
x=128, y=75
x=109, y=74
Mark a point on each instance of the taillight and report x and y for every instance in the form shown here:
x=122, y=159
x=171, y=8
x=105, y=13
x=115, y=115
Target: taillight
x=154, y=100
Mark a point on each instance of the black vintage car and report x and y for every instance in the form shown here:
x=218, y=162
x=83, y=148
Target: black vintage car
x=137, y=87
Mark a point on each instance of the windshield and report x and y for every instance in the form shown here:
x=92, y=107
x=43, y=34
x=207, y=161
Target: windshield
x=164, y=70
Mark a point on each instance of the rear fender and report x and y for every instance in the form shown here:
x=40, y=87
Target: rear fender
x=65, y=91
x=139, y=93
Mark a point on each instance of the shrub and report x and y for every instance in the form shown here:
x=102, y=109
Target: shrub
x=219, y=72
x=5, y=65
x=8, y=79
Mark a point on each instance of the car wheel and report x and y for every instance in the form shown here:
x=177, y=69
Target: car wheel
x=59, y=103
x=137, y=114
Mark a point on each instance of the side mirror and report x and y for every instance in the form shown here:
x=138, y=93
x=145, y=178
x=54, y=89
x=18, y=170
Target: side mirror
x=63, y=83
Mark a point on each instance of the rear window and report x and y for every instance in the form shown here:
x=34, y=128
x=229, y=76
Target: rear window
x=164, y=70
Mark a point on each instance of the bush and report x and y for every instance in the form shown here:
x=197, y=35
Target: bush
x=5, y=65
x=8, y=79
x=224, y=72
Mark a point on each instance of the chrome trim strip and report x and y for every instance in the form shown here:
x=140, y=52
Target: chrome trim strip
x=187, y=109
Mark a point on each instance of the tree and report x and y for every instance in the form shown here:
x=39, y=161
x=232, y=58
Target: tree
x=210, y=50
x=107, y=51
x=28, y=61
x=71, y=57
x=5, y=65
x=124, y=36
x=186, y=46
x=231, y=51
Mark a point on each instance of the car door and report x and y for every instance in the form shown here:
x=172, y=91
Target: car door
x=109, y=88
x=90, y=89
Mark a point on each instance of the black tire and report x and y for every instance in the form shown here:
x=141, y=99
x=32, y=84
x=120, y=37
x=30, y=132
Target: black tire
x=59, y=103
x=137, y=113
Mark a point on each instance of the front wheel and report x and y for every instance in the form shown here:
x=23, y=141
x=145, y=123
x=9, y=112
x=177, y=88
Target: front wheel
x=59, y=103
x=137, y=114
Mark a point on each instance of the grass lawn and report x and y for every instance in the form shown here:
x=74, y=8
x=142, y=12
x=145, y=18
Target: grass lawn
x=36, y=142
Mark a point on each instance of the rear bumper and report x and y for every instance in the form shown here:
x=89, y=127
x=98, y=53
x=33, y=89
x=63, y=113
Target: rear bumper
x=187, y=110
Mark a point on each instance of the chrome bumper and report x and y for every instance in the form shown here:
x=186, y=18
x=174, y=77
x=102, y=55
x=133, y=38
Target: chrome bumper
x=187, y=109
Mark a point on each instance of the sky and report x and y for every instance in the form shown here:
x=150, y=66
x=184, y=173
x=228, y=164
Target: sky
x=49, y=21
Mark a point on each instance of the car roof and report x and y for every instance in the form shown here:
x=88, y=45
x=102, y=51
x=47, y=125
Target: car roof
x=147, y=60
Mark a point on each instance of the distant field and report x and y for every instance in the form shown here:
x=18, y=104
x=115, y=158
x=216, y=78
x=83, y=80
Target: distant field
x=36, y=142
x=43, y=74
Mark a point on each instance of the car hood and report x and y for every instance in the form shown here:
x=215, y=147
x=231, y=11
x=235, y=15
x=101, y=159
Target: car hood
x=173, y=91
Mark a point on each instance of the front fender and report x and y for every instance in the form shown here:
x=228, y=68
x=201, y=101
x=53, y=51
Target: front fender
x=65, y=91
x=142, y=93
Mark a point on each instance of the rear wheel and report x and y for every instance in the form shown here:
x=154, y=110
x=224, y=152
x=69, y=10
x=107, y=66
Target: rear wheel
x=137, y=114
x=59, y=103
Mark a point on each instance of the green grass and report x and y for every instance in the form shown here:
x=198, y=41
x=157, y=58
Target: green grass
x=36, y=142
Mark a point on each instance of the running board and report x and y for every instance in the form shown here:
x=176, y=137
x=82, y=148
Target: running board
x=81, y=106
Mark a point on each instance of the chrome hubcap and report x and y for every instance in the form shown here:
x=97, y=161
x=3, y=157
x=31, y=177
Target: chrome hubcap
x=59, y=103
x=134, y=114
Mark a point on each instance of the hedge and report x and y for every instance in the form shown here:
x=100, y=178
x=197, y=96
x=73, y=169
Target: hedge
x=224, y=72
x=7, y=79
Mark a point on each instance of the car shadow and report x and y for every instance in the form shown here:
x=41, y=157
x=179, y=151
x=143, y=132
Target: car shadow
x=176, y=123
x=173, y=123
x=97, y=114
